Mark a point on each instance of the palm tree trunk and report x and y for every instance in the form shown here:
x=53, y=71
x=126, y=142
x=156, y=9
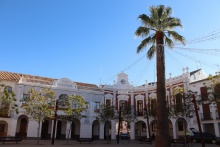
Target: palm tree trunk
x=162, y=135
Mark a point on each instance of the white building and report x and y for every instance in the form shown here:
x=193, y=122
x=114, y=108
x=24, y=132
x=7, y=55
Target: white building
x=121, y=90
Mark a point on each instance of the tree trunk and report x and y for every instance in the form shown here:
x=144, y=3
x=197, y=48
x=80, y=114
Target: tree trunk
x=162, y=135
x=38, y=133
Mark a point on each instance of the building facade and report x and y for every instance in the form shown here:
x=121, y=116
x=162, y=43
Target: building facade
x=121, y=91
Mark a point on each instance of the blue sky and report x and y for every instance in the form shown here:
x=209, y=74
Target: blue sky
x=93, y=40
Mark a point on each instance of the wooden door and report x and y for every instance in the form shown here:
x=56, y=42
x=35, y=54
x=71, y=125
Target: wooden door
x=44, y=129
x=3, y=128
x=23, y=128
x=206, y=112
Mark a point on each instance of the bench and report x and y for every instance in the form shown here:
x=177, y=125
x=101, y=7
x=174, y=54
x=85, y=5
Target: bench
x=10, y=139
x=85, y=140
x=180, y=141
x=145, y=140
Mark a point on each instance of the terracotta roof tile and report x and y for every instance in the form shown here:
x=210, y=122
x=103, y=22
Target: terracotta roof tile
x=15, y=77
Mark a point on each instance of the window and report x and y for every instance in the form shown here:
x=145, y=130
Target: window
x=153, y=105
x=108, y=102
x=25, y=98
x=62, y=102
x=96, y=106
x=9, y=89
x=179, y=106
x=123, y=104
x=140, y=108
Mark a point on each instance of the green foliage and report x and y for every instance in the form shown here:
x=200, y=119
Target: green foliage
x=75, y=107
x=38, y=105
x=7, y=101
x=185, y=109
x=106, y=113
x=159, y=22
x=213, y=87
x=129, y=114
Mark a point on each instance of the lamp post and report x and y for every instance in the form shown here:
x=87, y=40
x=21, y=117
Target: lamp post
x=198, y=120
x=55, y=120
x=148, y=126
x=119, y=121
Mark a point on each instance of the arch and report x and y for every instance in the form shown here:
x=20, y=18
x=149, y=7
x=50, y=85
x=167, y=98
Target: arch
x=140, y=129
x=95, y=129
x=22, y=126
x=107, y=130
x=3, y=128
x=75, y=129
x=181, y=127
x=45, y=132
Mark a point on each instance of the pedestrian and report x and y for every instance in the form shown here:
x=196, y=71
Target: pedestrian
x=153, y=137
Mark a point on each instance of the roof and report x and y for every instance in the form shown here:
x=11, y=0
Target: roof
x=193, y=72
x=15, y=77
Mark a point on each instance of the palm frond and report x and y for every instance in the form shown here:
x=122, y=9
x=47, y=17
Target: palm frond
x=171, y=22
x=151, y=52
x=144, y=44
x=142, y=31
x=176, y=36
x=160, y=11
x=168, y=42
x=146, y=20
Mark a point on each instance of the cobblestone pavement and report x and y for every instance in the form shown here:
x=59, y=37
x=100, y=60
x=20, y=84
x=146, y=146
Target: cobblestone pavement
x=96, y=143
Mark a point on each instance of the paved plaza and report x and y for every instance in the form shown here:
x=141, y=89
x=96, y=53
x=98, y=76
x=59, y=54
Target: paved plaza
x=96, y=143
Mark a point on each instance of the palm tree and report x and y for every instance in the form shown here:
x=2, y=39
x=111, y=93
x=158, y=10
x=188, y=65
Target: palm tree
x=158, y=28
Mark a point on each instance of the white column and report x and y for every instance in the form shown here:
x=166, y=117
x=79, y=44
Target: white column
x=132, y=98
x=114, y=98
x=174, y=129
x=67, y=130
x=113, y=129
x=101, y=131
x=55, y=131
x=216, y=126
x=132, y=130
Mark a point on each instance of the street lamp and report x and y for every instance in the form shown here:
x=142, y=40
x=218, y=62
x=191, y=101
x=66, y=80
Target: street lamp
x=197, y=117
x=119, y=121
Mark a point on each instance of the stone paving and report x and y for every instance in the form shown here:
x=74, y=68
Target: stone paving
x=96, y=143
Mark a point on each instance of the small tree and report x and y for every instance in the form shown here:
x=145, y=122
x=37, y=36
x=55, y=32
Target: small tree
x=185, y=109
x=37, y=106
x=213, y=87
x=105, y=114
x=7, y=101
x=76, y=105
x=129, y=115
